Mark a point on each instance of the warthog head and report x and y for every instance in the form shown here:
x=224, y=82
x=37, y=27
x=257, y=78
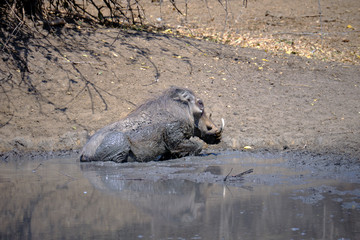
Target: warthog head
x=204, y=127
x=207, y=130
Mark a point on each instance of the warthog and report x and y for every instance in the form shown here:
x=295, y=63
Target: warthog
x=160, y=129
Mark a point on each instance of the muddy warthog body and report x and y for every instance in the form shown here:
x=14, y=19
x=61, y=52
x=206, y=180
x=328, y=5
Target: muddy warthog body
x=160, y=129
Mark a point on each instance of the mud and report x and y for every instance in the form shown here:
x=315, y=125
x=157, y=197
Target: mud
x=214, y=167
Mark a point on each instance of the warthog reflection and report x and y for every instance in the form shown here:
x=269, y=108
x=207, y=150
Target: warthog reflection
x=169, y=201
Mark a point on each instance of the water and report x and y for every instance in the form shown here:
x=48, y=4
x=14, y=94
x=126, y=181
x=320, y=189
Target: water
x=180, y=199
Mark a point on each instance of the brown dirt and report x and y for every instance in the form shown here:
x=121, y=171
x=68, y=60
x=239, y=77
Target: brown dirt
x=329, y=31
x=82, y=78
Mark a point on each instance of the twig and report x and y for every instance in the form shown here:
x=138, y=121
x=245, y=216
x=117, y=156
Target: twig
x=161, y=1
x=9, y=81
x=35, y=169
x=131, y=12
x=226, y=11
x=12, y=34
x=90, y=95
x=321, y=27
x=245, y=3
x=207, y=6
x=244, y=173
x=140, y=9
x=227, y=175
x=239, y=175
x=176, y=8
x=268, y=14
x=186, y=10
x=96, y=89
x=84, y=62
x=295, y=33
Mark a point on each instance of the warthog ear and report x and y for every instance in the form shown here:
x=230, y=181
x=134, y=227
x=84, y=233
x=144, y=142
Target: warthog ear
x=200, y=105
x=183, y=95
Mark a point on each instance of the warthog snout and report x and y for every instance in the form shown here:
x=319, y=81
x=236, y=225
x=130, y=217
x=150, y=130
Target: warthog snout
x=207, y=130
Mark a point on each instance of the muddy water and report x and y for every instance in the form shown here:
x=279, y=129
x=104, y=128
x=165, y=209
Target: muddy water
x=180, y=199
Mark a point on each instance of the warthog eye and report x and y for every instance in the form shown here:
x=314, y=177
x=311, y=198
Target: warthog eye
x=209, y=128
x=200, y=104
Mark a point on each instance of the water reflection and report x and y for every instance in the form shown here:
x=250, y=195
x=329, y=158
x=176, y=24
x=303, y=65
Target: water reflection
x=63, y=199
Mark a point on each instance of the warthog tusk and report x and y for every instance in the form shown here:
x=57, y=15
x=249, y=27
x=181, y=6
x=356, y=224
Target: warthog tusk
x=222, y=124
